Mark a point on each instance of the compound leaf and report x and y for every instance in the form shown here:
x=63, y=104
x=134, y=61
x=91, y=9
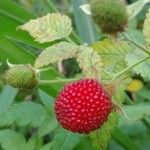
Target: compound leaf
x=113, y=54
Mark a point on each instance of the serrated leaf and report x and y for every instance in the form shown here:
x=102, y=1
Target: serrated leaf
x=141, y=69
x=58, y=52
x=10, y=140
x=47, y=128
x=89, y=61
x=7, y=97
x=47, y=101
x=65, y=140
x=48, y=28
x=25, y=113
x=146, y=29
x=137, y=112
x=85, y=144
x=104, y=133
x=112, y=54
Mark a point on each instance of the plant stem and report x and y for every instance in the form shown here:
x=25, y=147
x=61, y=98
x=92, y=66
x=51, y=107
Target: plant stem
x=129, y=68
x=136, y=44
x=55, y=81
x=44, y=69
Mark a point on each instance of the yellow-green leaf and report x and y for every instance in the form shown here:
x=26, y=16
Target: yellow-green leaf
x=101, y=141
x=142, y=68
x=48, y=28
x=113, y=54
x=146, y=30
x=89, y=61
x=58, y=52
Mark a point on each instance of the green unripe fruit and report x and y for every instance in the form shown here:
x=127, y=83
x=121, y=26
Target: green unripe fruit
x=21, y=76
x=110, y=15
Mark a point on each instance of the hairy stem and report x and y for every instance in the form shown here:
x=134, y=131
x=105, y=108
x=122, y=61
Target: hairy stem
x=129, y=68
x=56, y=81
x=136, y=43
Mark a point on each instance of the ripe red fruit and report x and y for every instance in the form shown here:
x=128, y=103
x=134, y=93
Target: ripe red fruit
x=82, y=106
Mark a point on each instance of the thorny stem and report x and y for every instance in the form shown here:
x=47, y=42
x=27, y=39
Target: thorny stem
x=129, y=68
x=136, y=44
x=55, y=81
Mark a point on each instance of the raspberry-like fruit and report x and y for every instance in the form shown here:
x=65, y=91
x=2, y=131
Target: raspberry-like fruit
x=82, y=106
x=110, y=15
x=21, y=76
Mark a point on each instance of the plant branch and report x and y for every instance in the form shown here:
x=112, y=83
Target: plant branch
x=55, y=81
x=129, y=68
x=136, y=44
x=43, y=69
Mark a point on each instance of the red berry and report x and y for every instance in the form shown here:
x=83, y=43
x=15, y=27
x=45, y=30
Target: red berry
x=82, y=106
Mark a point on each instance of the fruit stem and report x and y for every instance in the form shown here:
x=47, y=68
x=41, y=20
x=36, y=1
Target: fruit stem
x=136, y=44
x=44, y=69
x=55, y=81
x=129, y=68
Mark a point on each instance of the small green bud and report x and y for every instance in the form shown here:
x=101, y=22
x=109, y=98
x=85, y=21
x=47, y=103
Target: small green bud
x=21, y=76
x=110, y=15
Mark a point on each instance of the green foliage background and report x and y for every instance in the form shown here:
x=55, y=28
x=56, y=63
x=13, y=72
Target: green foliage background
x=27, y=119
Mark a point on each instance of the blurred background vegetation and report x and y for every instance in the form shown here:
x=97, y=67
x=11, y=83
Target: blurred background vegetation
x=19, y=47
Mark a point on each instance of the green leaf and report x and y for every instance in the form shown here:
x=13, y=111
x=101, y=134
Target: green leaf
x=124, y=140
x=64, y=140
x=137, y=112
x=46, y=146
x=141, y=69
x=7, y=97
x=58, y=52
x=10, y=140
x=47, y=101
x=146, y=29
x=13, y=10
x=25, y=113
x=89, y=61
x=85, y=144
x=84, y=23
x=48, y=28
x=47, y=128
x=144, y=93
x=101, y=141
x=112, y=54
x=12, y=15
x=13, y=52
x=32, y=143
x=135, y=8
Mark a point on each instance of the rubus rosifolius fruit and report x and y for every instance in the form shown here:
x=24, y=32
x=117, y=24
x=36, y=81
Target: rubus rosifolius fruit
x=83, y=106
x=21, y=76
x=110, y=15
